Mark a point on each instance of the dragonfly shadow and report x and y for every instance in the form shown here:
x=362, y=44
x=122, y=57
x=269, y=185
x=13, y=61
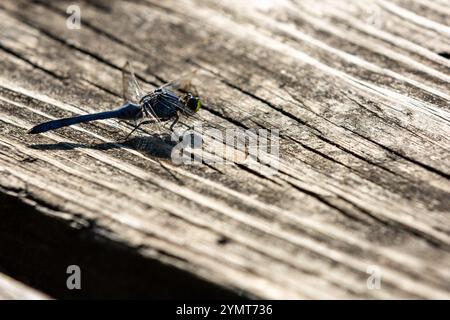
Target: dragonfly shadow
x=159, y=146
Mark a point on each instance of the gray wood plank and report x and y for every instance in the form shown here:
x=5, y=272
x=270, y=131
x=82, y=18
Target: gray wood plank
x=362, y=100
x=11, y=289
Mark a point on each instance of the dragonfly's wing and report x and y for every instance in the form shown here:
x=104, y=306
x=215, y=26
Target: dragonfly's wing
x=131, y=90
x=183, y=83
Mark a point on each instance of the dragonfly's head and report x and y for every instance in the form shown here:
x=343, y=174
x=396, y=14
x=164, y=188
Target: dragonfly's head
x=191, y=103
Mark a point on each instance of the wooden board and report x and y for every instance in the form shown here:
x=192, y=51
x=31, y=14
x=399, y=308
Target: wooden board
x=13, y=290
x=359, y=89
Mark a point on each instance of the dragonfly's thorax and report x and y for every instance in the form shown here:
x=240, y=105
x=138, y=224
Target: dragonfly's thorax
x=162, y=104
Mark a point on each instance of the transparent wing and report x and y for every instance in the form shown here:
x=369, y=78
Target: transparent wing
x=149, y=113
x=182, y=84
x=131, y=90
x=185, y=83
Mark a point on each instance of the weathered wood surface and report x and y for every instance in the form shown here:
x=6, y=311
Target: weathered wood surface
x=13, y=290
x=364, y=177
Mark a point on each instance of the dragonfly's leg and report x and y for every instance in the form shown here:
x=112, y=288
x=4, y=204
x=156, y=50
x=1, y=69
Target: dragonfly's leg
x=137, y=127
x=151, y=114
x=147, y=113
x=132, y=131
x=174, y=122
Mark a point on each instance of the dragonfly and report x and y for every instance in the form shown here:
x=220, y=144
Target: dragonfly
x=161, y=105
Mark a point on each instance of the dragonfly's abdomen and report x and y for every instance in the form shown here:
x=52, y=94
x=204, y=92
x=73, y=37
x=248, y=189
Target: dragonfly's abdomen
x=127, y=111
x=56, y=124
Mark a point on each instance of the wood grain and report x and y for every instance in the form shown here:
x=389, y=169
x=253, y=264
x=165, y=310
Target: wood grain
x=13, y=290
x=359, y=89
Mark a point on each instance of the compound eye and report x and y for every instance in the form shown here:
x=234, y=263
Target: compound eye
x=193, y=104
x=198, y=106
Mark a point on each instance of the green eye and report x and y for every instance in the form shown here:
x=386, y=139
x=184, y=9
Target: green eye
x=199, y=105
